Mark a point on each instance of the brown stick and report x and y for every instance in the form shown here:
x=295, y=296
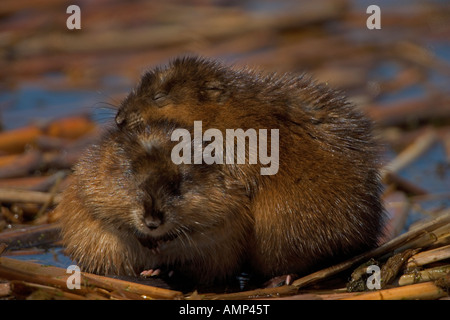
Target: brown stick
x=70, y=128
x=424, y=275
x=397, y=208
x=35, y=273
x=12, y=195
x=8, y=159
x=14, y=141
x=254, y=294
x=40, y=291
x=420, y=56
x=22, y=166
x=400, y=113
x=30, y=236
x=136, y=288
x=412, y=152
x=423, y=291
x=429, y=256
x=38, y=183
x=403, y=184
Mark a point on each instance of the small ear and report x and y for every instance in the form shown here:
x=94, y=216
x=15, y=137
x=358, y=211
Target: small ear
x=214, y=90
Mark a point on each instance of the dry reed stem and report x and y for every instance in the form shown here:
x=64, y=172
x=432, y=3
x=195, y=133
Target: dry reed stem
x=30, y=236
x=16, y=195
x=423, y=291
x=424, y=275
x=391, y=178
x=411, y=153
x=410, y=110
x=32, y=183
x=131, y=287
x=397, y=208
x=263, y=293
x=429, y=256
x=35, y=291
x=14, y=141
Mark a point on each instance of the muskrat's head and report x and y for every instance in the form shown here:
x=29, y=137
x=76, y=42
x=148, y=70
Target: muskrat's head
x=159, y=200
x=188, y=89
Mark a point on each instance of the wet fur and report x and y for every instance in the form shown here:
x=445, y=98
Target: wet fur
x=322, y=206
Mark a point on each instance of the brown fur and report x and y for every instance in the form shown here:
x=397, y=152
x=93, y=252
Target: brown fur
x=323, y=204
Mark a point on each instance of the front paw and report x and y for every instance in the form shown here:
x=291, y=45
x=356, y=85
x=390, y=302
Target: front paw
x=155, y=273
x=280, y=281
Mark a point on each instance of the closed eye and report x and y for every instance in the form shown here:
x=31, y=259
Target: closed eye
x=159, y=96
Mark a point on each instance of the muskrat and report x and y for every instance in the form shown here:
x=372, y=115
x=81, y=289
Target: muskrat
x=131, y=207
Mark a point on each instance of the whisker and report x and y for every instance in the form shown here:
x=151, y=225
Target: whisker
x=102, y=112
x=185, y=238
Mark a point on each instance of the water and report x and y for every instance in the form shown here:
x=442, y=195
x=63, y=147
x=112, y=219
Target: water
x=31, y=102
x=53, y=256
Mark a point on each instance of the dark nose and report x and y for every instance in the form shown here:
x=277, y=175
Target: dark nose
x=152, y=216
x=152, y=222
